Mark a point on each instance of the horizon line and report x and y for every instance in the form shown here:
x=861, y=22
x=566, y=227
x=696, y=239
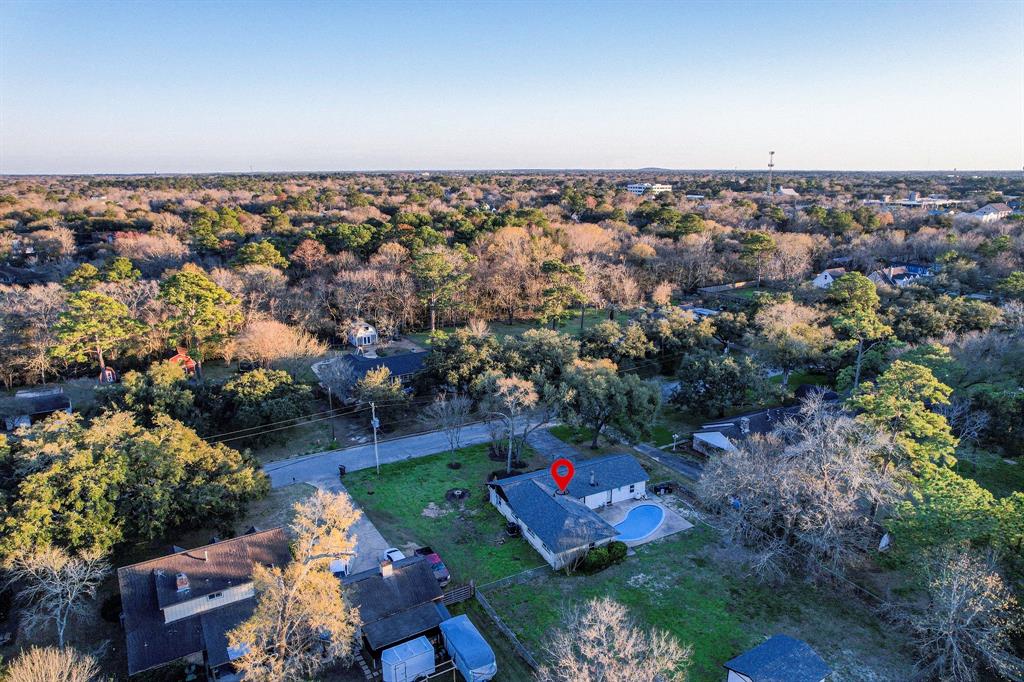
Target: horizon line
x=525, y=170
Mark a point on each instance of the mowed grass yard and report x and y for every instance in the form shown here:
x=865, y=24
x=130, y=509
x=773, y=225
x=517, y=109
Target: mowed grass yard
x=503, y=328
x=407, y=505
x=693, y=587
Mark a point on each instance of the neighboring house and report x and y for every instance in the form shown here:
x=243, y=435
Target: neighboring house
x=778, y=659
x=787, y=193
x=641, y=188
x=397, y=602
x=989, y=213
x=183, y=359
x=404, y=366
x=695, y=197
x=715, y=438
x=825, y=278
x=563, y=526
x=898, y=276
x=181, y=606
x=362, y=334
x=31, y=405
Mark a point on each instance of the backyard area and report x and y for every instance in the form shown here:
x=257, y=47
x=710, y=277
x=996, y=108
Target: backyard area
x=696, y=588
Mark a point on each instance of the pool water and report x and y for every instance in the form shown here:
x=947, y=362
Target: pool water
x=640, y=521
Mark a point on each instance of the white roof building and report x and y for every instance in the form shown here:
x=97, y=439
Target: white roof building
x=641, y=188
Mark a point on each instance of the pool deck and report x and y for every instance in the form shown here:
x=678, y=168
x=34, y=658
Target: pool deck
x=672, y=523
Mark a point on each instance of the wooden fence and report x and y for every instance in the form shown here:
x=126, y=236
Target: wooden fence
x=458, y=594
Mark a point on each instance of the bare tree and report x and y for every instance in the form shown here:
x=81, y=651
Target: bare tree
x=967, y=424
x=55, y=585
x=969, y=621
x=449, y=414
x=801, y=496
x=599, y=642
x=268, y=341
x=301, y=621
x=51, y=664
x=509, y=397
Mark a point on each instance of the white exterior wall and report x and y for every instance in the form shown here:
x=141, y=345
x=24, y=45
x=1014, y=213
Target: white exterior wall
x=823, y=281
x=528, y=535
x=557, y=561
x=203, y=603
x=618, y=495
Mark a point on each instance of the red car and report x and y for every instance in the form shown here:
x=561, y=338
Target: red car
x=441, y=571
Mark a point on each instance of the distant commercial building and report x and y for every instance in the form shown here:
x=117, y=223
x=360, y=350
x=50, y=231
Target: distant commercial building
x=641, y=188
x=914, y=200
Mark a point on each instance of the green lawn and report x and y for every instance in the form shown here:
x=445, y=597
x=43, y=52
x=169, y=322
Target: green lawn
x=687, y=586
x=800, y=378
x=469, y=536
x=501, y=329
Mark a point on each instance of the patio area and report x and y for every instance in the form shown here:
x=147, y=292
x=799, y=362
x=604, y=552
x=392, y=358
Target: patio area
x=670, y=524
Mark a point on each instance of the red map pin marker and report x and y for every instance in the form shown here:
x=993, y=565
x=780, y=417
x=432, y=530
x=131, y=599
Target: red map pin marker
x=562, y=479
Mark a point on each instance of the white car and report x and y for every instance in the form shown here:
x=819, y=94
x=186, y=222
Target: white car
x=392, y=553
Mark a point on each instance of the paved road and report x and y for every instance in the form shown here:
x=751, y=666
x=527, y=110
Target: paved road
x=687, y=467
x=551, y=447
x=321, y=469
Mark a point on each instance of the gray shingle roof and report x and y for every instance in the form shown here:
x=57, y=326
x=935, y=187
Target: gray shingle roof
x=781, y=659
x=399, y=365
x=396, y=608
x=613, y=471
x=150, y=641
x=561, y=522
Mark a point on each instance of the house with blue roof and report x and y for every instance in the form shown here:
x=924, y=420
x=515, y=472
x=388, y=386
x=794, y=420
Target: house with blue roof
x=779, y=658
x=562, y=526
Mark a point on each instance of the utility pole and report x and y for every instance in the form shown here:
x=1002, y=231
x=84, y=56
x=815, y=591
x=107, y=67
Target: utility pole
x=375, y=423
x=330, y=403
x=771, y=165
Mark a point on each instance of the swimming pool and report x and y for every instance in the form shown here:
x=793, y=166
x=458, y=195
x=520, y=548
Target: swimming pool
x=640, y=521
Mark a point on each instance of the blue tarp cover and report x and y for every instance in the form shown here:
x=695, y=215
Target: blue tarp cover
x=473, y=655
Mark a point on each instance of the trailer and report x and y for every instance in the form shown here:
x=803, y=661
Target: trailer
x=471, y=653
x=409, y=661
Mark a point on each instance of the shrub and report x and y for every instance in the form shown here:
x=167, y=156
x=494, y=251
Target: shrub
x=596, y=560
x=617, y=551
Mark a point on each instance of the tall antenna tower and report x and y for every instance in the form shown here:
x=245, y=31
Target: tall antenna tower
x=771, y=165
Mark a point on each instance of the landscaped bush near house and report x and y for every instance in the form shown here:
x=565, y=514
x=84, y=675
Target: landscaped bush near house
x=601, y=558
x=617, y=551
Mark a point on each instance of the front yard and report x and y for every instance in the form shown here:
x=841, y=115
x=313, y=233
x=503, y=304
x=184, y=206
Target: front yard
x=407, y=505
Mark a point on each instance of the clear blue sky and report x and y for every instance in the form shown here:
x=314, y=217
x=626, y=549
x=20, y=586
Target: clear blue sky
x=206, y=86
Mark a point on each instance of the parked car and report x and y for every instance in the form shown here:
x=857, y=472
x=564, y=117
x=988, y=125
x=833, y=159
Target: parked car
x=392, y=553
x=441, y=571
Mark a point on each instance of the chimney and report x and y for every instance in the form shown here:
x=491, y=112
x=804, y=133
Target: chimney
x=593, y=478
x=181, y=582
x=386, y=569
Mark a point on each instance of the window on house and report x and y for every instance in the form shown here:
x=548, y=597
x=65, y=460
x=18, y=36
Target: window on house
x=215, y=595
x=632, y=488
